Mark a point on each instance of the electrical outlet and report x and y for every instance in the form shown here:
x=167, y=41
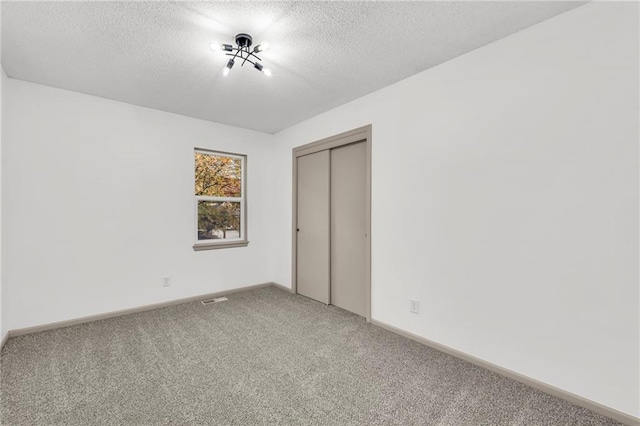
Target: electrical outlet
x=166, y=281
x=414, y=306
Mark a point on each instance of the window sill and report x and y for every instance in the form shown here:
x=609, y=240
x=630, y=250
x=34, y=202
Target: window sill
x=215, y=246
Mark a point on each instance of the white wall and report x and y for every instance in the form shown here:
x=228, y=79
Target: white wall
x=98, y=206
x=3, y=312
x=505, y=199
x=2, y=78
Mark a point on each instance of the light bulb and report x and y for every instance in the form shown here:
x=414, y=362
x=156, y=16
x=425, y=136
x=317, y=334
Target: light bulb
x=215, y=46
x=225, y=71
x=266, y=72
x=262, y=46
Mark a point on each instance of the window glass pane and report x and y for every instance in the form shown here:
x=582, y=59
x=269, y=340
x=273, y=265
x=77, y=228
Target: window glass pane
x=218, y=175
x=218, y=220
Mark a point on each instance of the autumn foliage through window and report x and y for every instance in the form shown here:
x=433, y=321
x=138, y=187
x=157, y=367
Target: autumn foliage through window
x=219, y=197
x=218, y=176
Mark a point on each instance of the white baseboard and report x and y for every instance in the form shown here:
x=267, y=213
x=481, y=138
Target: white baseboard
x=4, y=340
x=612, y=413
x=112, y=314
x=282, y=287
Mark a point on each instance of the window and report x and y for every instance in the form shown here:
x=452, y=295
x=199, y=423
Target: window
x=220, y=203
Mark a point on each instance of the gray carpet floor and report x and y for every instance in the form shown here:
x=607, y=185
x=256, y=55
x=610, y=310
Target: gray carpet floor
x=263, y=357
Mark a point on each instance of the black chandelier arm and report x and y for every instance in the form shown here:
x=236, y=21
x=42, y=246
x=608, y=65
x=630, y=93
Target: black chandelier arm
x=245, y=59
x=235, y=55
x=253, y=53
x=248, y=60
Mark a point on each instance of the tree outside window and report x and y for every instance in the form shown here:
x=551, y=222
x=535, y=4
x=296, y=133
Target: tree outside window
x=219, y=196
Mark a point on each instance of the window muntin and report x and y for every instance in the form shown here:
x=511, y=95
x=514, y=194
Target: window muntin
x=220, y=213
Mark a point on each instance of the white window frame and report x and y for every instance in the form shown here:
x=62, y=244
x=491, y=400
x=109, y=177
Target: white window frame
x=242, y=240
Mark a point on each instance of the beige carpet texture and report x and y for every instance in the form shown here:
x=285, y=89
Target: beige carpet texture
x=264, y=357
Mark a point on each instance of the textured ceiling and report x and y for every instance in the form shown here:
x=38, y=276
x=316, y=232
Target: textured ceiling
x=323, y=54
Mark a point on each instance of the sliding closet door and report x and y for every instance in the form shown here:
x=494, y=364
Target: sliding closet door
x=348, y=228
x=313, y=226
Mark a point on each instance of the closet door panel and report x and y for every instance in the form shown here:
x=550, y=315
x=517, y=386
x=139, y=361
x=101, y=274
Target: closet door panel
x=313, y=232
x=348, y=228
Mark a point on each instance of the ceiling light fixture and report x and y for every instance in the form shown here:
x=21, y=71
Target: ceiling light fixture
x=243, y=52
